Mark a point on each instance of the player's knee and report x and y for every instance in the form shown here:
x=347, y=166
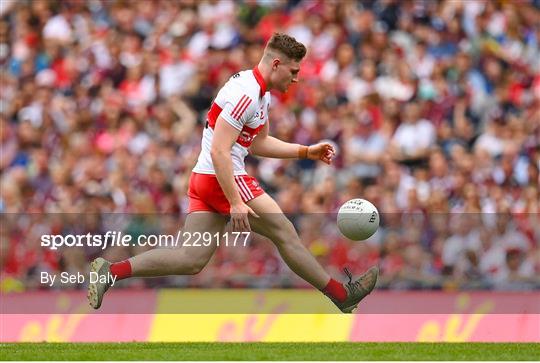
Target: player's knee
x=187, y=264
x=285, y=234
x=196, y=266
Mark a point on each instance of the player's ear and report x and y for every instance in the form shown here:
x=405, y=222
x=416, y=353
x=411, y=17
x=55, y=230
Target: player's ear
x=275, y=63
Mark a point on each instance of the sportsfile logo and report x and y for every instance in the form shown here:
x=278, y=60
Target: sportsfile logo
x=121, y=239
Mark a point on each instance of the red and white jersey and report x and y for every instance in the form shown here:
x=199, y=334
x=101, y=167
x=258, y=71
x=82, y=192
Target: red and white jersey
x=243, y=102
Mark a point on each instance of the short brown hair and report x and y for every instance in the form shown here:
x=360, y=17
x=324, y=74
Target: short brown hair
x=287, y=45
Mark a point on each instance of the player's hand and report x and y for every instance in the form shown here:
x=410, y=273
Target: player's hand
x=239, y=217
x=323, y=151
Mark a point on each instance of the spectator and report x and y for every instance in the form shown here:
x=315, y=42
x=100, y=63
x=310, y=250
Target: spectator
x=413, y=138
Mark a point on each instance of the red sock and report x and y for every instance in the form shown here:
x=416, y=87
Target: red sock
x=335, y=290
x=122, y=270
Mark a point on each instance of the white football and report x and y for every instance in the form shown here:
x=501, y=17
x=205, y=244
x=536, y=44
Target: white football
x=358, y=219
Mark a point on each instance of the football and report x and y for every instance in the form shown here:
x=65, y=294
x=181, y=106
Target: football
x=358, y=219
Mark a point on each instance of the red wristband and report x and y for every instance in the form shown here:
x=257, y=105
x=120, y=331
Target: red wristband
x=303, y=151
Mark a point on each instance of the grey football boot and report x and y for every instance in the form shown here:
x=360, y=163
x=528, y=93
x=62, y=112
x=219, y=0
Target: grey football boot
x=96, y=290
x=358, y=289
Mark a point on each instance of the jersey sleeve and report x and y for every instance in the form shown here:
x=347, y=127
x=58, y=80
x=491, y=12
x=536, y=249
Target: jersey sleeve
x=238, y=108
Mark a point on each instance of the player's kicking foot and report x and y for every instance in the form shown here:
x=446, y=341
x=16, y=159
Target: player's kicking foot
x=358, y=289
x=96, y=290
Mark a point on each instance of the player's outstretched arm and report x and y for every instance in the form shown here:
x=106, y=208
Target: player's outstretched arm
x=271, y=147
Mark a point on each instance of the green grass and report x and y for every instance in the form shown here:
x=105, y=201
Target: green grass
x=269, y=351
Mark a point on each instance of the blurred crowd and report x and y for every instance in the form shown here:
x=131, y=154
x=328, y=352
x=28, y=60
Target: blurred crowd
x=434, y=107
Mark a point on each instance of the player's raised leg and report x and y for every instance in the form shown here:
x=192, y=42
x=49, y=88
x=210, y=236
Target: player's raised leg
x=273, y=224
x=181, y=260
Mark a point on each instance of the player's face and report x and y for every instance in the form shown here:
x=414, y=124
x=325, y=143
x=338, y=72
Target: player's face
x=285, y=74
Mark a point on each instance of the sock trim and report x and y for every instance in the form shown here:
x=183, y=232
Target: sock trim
x=121, y=270
x=335, y=290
